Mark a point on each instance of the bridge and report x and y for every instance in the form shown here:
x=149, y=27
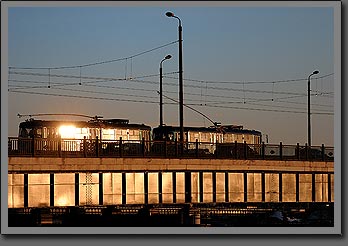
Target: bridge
x=155, y=176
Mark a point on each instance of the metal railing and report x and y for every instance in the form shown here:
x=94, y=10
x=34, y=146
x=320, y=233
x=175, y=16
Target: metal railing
x=164, y=149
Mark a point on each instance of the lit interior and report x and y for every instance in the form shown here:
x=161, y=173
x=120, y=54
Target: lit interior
x=62, y=201
x=67, y=131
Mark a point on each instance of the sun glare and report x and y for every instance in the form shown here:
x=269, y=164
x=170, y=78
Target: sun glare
x=67, y=131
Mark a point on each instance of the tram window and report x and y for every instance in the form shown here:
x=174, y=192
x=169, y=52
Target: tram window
x=38, y=133
x=45, y=132
x=51, y=133
x=23, y=133
x=93, y=133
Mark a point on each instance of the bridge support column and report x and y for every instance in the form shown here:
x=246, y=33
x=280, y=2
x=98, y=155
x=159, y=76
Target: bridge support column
x=77, y=189
x=174, y=186
x=26, y=190
x=280, y=187
x=329, y=187
x=214, y=185
x=263, y=187
x=245, y=186
x=187, y=187
x=101, y=199
x=297, y=187
x=226, y=187
x=313, y=187
x=201, y=189
x=124, y=188
x=160, y=200
x=146, y=187
x=51, y=189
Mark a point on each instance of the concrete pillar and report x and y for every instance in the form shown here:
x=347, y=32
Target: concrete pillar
x=174, y=186
x=313, y=187
x=101, y=189
x=77, y=189
x=226, y=187
x=245, y=175
x=51, y=189
x=263, y=185
x=201, y=189
x=26, y=190
x=187, y=187
x=214, y=185
x=329, y=187
x=160, y=187
x=297, y=187
x=280, y=187
x=146, y=187
x=124, y=188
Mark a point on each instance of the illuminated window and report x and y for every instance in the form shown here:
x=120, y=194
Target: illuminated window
x=108, y=134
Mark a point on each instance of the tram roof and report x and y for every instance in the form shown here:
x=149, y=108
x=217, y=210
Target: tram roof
x=225, y=129
x=108, y=123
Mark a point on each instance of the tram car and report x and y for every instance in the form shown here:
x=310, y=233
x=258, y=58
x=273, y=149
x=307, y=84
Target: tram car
x=238, y=142
x=77, y=135
x=206, y=137
x=222, y=140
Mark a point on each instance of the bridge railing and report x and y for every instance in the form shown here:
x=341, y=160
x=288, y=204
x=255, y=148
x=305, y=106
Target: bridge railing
x=164, y=149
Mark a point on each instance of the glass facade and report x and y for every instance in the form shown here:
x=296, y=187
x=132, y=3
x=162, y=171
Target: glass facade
x=64, y=189
x=236, y=187
x=112, y=188
x=272, y=187
x=39, y=190
x=44, y=189
x=15, y=190
x=288, y=187
x=254, y=193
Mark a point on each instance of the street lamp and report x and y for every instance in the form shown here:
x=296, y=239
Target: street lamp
x=161, y=102
x=181, y=92
x=309, y=106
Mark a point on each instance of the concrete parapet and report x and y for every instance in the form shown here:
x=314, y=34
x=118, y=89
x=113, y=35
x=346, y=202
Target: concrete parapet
x=45, y=164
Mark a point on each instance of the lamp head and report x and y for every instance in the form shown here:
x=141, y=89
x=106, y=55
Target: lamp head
x=170, y=14
x=168, y=57
x=316, y=72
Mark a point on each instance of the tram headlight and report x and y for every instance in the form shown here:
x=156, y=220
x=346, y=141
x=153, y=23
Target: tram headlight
x=67, y=131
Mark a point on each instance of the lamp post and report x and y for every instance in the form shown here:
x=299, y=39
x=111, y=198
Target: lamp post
x=309, y=106
x=181, y=92
x=161, y=101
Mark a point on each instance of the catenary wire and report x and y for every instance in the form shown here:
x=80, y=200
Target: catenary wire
x=98, y=63
x=144, y=101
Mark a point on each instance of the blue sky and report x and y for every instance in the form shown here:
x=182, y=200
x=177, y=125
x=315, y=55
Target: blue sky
x=220, y=44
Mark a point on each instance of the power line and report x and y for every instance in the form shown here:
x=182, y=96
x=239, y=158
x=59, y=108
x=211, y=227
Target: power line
x=277, y=106
x=269, y=110
x=86, y=97
x=98, y=63
x=78, y=83
x=143, y=101
x=249, y=82
x=155, y=82
x=106, y=79
x=106, y=93
x=252, y=99
x=225, y=88
x=152, y=97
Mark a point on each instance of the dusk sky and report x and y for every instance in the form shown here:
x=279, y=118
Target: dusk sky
x=242, y=65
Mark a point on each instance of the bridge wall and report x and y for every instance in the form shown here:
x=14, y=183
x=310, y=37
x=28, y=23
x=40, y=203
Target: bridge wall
x=39, y=182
